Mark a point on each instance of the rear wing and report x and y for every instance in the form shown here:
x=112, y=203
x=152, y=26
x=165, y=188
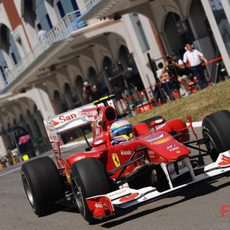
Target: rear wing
x=76, y=118
x=72, y=119
x=65, y=122
x=69, y=120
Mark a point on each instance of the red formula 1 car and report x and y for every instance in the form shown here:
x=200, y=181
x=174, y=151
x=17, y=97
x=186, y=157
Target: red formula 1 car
x=108, y=176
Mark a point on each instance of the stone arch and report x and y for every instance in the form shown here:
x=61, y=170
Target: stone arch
x=79, y=89
x=28, y=123
x=4, y=36
x=58, y=103
x=8, y=46
x=130, y=74
x=50, y=87
x=68, y=92
x=177, y=33
x=124, y=55
x=61, y=79
x=99, y=51
x=92, y=75
x=73, y=71
x=107, y=65
x=85, y=62
x=37, y=122
x=28, y=8
x=118, y=50
x=22, y=119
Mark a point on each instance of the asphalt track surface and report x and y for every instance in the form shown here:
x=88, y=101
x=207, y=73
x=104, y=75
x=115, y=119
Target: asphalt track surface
x=195, y=207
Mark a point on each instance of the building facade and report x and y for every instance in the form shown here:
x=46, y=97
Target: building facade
x=49, y=48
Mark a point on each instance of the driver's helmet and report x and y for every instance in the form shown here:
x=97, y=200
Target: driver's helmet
x=121, y=131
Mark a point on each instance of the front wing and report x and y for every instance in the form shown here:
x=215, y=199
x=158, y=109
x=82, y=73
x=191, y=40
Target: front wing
x=104, y=205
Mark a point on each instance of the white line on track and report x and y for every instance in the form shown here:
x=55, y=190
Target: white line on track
x=11, y=171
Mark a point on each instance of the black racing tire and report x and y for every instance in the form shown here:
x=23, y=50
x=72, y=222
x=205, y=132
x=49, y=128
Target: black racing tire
x=88, y=178
x=216, y=129
x=42, y=184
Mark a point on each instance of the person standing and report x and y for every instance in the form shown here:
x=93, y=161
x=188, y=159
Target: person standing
x=90, y=92
x=41, y=32
x=193, y=59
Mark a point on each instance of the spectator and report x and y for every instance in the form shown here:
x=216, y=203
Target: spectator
x=167, y=85
x=41, y=32
x=169, y=78
x=117, y=90
x=9, y=157
x=177, y=69
x=193, y=59
x=90, y=93
x=160, y=69
x=96, y=92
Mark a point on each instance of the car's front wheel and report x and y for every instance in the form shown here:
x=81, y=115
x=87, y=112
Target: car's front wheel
x=88, y=178
x=216, y=130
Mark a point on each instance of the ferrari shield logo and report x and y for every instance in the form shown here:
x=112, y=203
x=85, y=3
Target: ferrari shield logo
x=116, y=160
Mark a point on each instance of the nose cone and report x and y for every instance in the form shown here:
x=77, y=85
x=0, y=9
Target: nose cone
x=169, y=148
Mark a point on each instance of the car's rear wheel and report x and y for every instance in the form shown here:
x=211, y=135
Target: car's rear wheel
x=216, y=129
x=88, y=178
x=42, y=184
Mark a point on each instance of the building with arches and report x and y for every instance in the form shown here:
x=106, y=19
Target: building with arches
x=106, y=43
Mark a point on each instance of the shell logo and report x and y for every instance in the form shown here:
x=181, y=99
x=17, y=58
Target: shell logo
x=116, y=160
x=162, y=141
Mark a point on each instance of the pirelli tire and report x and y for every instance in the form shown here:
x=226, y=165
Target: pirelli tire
x=88, y=178
x=42, y=184
x=216, y=129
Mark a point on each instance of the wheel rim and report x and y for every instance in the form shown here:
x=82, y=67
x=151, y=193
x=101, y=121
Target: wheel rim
x=211, y=147
x=28, y=190
x=78, y=196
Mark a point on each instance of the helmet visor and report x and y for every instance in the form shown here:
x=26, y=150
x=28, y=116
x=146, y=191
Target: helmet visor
x=124, y=130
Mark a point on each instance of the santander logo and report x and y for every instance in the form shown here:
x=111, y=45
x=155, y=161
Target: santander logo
x=63, y=119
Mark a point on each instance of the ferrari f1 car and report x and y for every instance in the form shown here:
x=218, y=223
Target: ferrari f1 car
x=108, y=176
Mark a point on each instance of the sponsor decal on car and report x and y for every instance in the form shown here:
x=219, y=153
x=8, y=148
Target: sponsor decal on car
x=116, y=194
x=174, y=148
x=127, y=152
x=116, y=160
x=162, y=141
x=55, y=147
x=225, y=161
x=129, y=197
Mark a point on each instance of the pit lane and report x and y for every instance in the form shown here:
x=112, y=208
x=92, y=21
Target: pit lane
x=195, y=207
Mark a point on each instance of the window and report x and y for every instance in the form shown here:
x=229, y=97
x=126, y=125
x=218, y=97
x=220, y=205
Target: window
x=142, y=37
x=74, y=4
x=49, y=21
x=14, y=58
x=61, y=9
